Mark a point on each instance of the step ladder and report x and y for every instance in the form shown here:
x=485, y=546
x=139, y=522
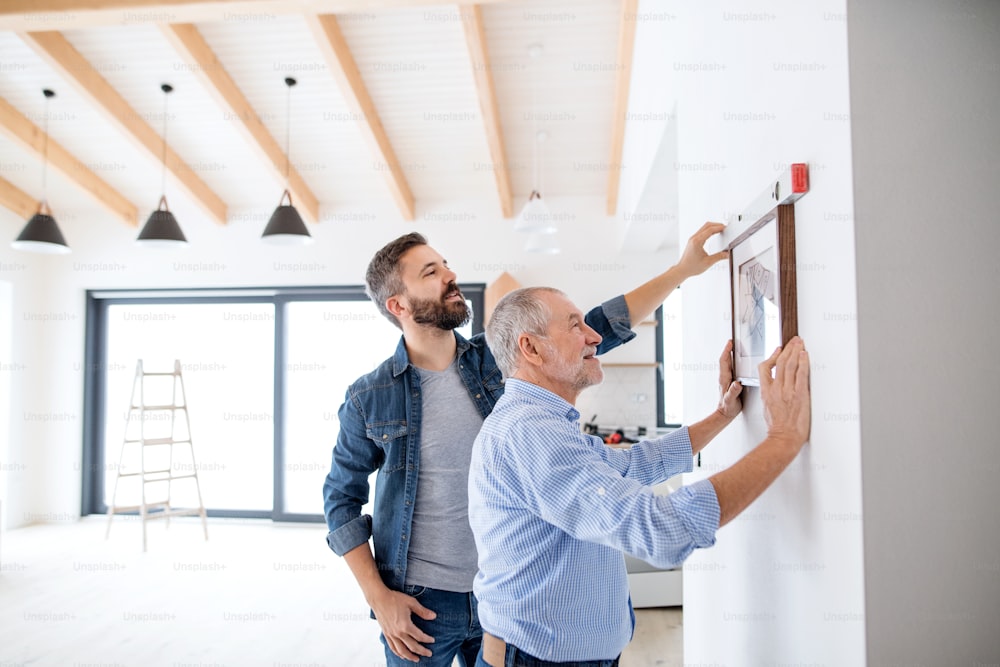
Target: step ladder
x=158, y=451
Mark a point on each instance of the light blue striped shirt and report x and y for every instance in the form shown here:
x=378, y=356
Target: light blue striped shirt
x=552, y=509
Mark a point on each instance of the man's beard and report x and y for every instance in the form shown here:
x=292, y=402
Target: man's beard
x=578, y=377
x=440, y=314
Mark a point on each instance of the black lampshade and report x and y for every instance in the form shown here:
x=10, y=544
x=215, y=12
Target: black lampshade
x=286, y=226
x=161, y=229
x=41, y=234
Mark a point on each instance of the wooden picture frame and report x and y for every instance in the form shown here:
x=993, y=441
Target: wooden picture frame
x=762, y=290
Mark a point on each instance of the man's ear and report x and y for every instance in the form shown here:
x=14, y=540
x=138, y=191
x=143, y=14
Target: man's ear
x=528, y=345
x=395, y=305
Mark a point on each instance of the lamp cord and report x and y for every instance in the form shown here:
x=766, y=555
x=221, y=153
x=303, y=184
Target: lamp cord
x=163, y=160
x=45, y=154
x=288, y=131
x=535, y=185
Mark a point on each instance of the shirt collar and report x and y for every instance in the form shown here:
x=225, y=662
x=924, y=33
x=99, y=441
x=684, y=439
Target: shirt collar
x=401, y=360
x=548, y=400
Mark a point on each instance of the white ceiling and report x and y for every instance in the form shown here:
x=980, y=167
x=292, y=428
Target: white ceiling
x=415, y=64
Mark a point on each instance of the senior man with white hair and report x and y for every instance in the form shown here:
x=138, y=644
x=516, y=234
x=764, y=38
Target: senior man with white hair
x=552, y=508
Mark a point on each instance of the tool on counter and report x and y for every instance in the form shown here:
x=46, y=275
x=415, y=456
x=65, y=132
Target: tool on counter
x=616, y=437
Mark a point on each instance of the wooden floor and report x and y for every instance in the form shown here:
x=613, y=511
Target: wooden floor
x=256, y=594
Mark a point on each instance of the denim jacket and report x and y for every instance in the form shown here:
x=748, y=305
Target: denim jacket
x=380, y=430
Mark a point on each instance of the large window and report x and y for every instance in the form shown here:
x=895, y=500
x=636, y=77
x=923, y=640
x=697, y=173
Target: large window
x=330, y=344
x=264, y=373
x=226, y=352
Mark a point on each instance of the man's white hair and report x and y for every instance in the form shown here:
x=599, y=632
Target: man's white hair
x=518, y=312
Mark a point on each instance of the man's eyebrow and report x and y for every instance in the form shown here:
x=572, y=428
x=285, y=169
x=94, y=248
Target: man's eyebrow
x=432, y=263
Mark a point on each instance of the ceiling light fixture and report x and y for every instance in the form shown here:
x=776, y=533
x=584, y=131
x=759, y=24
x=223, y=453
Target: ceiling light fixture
x=286, y=226
x=41, y=233
x=542, y=243
x=535, y=216
x=161, y=229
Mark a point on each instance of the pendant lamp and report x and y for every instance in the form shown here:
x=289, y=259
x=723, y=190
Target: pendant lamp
x=161, y=229
x=286, y=226
x=542, y=244
x=535, y=216
x=41, y=233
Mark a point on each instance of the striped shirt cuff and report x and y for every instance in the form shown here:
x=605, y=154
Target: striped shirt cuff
x=675, y=452
x=697, y=506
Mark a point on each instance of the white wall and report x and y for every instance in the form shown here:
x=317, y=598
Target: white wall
x=26, y=282
x=49, y=298
x=6, y=368
x=925, y=95
x=756, y=86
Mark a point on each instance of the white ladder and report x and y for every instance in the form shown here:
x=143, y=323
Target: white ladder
x=138, y=411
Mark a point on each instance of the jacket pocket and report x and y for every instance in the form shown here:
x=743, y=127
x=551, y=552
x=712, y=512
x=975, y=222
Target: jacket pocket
x=493, y=381
x=390, y=437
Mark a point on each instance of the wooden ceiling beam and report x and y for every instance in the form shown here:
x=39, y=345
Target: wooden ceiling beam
x=191, y=45
x=55, y=49
x=17, y=200
x=626, y=42
x=34, y=15
x=345, y=72
x=17, y=126
x=475, y=39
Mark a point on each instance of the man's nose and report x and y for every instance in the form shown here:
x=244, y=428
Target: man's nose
x=593, y=337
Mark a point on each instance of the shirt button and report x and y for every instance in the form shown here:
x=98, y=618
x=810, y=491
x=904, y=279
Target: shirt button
x=600, y=490
x=385, y=436
x=478, y=396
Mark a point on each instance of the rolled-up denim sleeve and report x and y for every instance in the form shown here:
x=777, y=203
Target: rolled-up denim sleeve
x=346, y=488
x=352, y=534
x=612, y=321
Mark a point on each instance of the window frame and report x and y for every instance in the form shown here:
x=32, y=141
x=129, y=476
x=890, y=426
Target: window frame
x=661, y=374
x=98, y=302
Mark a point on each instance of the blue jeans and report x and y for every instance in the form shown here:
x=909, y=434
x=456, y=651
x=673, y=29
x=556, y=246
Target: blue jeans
x=455, y=629
x=515, y=657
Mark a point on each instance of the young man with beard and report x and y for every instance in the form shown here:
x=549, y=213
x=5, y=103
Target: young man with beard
x=414, y=419
x=552, y=509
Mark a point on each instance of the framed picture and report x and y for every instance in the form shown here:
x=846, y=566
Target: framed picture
x=762, y=279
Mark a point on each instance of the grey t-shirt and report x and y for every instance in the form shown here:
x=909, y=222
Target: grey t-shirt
x=442, y=551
